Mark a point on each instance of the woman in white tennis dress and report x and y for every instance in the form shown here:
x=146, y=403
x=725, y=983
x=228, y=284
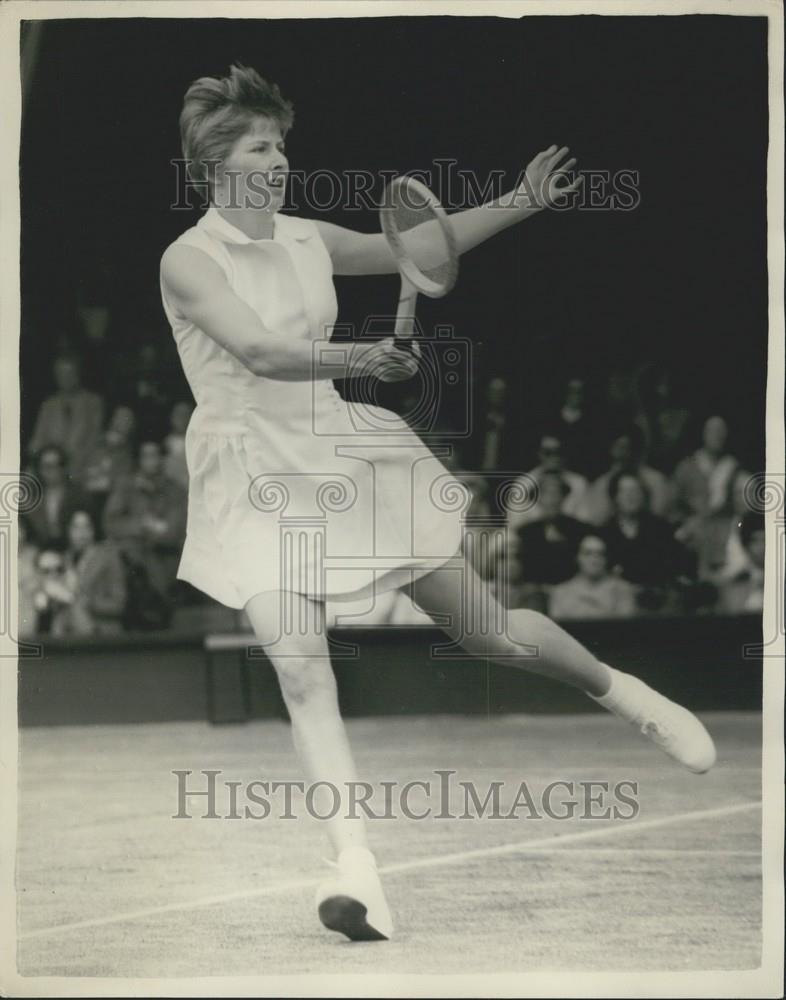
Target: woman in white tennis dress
x=296, y=496
x=286, y=479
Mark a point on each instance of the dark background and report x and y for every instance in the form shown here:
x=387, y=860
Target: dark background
x=680, y=281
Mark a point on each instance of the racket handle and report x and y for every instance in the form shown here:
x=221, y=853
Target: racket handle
x=405, y=313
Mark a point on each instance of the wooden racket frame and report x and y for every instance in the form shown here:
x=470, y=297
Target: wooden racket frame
x=413, y=280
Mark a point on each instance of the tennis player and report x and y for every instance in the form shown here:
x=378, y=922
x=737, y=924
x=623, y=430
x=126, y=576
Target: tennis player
x=248, y=291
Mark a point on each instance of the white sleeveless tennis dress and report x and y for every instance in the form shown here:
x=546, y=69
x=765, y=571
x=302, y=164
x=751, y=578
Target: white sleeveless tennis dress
x=290, y=487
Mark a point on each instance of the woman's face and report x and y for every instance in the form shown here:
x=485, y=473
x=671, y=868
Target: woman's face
x=254, y=174
x=592, y=557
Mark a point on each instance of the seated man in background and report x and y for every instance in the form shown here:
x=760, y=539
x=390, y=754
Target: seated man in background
x=146, y=516
x=72, y=417
x=551, y=461
x=60, y=497
x=703, y=479
x=715, y=538
x=744, y=592
x=146, y=385
x=667, y=419
x=544, y=550
x=593, y=592
x=626, y=453
x=577, y=426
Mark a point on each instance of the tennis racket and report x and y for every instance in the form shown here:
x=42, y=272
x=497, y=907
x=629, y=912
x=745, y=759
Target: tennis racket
x=422, y=240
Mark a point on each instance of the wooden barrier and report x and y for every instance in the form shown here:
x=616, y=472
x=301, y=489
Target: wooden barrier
x=167, y=677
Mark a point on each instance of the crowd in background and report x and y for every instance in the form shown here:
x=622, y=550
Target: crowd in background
x=649, y=516
x=653, y=516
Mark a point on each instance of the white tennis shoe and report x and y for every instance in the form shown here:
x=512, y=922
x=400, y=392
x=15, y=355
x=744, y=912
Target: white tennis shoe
x=352, y=902
x=672, y=728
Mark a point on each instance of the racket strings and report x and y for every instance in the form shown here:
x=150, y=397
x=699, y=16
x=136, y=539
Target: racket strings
x=422, y=237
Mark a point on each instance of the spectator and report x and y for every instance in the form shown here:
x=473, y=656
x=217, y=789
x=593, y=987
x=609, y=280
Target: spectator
x=626, y=454
x=668, y=423
x=551, y=461
x=744, y=592
x=146, y=516
x=93, y=582
x=547, y=548
x=735, y=557
x=573, y=427
x=48, y=522
x=703, y=480
x=642, y=547
x=624, y=405
x=51, y=594
x=112, y=459
x=71, y=418
x=28, y=580
x=175, y=443
x=593, y=592
x=715, y=538
x=145, y=387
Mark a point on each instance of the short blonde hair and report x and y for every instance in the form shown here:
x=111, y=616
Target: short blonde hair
x=216, y=112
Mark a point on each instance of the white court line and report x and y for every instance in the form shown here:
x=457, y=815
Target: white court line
x=645, y=852
x=542, y=845
x=521, y=847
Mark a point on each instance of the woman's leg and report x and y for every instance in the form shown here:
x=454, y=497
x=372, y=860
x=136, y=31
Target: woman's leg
x=530, y=640
x=520, y=637
x=302, y=663
x=291, y=628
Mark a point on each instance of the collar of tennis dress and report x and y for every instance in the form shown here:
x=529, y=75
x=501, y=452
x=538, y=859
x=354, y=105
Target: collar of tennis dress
x=283, y=225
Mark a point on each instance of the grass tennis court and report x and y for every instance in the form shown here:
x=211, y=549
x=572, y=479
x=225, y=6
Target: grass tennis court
x=110, y=885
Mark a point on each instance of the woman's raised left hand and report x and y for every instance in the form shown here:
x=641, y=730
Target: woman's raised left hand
x=547, y=180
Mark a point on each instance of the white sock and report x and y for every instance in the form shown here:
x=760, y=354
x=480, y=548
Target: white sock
x=624, y=697
x=354, y=855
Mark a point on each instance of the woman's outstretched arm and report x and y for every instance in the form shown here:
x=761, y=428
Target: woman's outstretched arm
x=544, y=183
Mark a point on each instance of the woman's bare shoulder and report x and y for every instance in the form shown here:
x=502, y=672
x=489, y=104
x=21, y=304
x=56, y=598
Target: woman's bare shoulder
x=186, y=269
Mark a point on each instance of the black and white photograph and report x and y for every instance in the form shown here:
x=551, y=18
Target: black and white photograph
x=392, y=499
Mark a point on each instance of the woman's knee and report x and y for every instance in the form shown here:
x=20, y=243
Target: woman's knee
x=305, y=679
x=288, y=624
